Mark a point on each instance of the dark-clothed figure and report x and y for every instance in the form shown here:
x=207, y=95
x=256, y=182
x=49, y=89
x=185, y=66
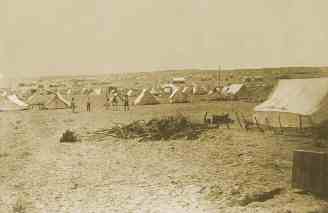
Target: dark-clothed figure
x=115, y=102
x=107, y=104
x=88, y=105
x=126, y=103
x=73, y=106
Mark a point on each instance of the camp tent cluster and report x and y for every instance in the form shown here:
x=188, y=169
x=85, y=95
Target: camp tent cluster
x=48, y=101
x=295, y=103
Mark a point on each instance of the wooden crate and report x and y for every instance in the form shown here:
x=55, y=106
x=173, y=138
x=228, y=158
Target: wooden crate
x=310, y=172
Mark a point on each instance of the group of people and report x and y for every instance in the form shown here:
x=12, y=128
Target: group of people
x=114, y=103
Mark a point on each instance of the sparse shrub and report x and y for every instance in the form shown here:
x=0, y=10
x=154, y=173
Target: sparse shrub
x=69, y=137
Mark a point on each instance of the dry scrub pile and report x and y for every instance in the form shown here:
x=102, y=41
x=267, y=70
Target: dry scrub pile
x=165, y=128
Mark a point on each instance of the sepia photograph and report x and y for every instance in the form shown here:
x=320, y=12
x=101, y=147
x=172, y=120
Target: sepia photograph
x=163, y=106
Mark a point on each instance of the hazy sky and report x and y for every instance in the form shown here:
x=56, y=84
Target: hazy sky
x=99, y=36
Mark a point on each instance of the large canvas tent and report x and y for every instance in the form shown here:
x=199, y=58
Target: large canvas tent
x=145, y=98
x=11, y=103
x=295, y=103
x=38, y=99
x=178, y=97
x=57, y=102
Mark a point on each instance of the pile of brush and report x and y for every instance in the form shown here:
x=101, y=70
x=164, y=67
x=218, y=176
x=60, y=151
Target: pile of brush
x=165, y=128
x=69, y=137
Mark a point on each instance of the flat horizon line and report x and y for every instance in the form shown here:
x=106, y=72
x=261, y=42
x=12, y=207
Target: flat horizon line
x=33, y=76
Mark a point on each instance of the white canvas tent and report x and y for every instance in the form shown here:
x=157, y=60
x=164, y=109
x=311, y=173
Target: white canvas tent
x=214, y=90
x=132, y=93
x=179, y=80
x=178, y=97
x=17, y=101
x=295, y=103
x=3, y=94
x=96, y=92
x=188, y=90
x=199, y=90
x=12, y=103
x=169, y=88
x=214, y=94
x=154, y=91
x=235, y=91
x=232, y=89
x=145, y=98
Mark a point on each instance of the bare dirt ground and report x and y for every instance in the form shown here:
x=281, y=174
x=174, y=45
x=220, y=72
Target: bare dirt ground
x=220, y=172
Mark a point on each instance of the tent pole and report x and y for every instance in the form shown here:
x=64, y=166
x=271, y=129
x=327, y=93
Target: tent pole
x=279, y=119
x=257, y=123
x=300, y=120
x=311, y=121
x=238, y=119
x=267, y=121
x=219, y=77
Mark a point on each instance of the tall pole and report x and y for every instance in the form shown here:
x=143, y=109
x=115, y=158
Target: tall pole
x=219, y=77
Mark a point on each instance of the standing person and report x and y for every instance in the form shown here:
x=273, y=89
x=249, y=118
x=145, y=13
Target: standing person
x=88, y=105
x=73, y=105
x=126, y=103
x=107, y=104
x=115, y=102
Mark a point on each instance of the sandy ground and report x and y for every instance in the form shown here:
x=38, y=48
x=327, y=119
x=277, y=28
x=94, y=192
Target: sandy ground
x=212, y=174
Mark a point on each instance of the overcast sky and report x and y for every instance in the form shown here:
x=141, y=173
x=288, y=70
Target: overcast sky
x=99, y=36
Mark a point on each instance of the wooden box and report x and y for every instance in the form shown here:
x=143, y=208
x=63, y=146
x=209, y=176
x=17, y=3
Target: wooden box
x=310, y=172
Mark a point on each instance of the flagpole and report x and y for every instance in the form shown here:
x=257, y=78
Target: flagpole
x=219, y=77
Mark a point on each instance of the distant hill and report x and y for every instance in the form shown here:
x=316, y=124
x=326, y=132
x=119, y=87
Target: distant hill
x=197, y=76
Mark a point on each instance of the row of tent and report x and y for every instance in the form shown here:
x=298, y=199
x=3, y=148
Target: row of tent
x=86, y=91
x=230, y=90
x=48, y=101
x=168, y=89
x=182, y=95
x=54, y=100
x=294, y=102
x=41, y=100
